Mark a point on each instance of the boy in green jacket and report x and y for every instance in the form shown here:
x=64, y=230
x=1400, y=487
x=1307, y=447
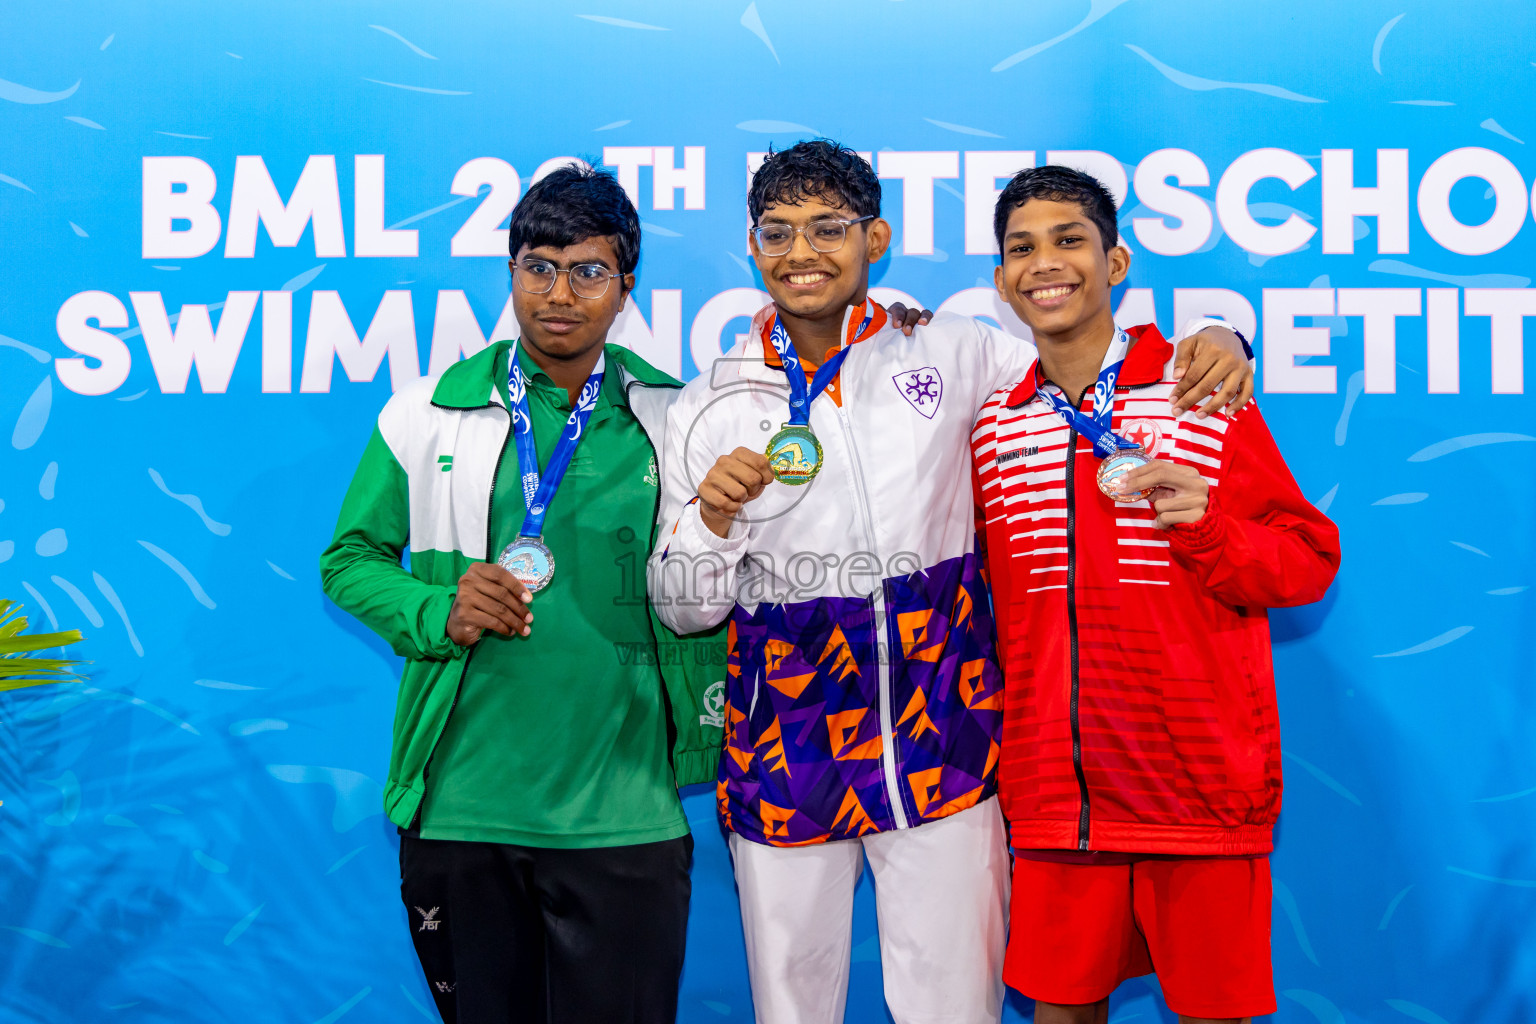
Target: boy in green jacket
x=534, y=768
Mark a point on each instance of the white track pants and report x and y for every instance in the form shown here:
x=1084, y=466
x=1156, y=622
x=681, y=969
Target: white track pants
x=941, y=891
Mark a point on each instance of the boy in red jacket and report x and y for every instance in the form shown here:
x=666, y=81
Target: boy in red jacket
x=1133, y=555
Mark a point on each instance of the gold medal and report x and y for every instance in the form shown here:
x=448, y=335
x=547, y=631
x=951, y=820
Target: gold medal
x=794, y=454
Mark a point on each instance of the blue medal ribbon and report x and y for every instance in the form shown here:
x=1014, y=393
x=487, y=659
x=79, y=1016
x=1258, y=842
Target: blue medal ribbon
x=800, y=395
x=539, y=489
x=1096, y=426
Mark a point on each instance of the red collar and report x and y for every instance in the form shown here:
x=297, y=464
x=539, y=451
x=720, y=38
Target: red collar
x=852, y=318
x=1144, y=365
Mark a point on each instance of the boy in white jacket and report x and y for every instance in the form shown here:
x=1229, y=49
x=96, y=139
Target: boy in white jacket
x=819, y=484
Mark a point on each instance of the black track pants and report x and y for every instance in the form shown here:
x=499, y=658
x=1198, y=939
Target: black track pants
x=524, y=935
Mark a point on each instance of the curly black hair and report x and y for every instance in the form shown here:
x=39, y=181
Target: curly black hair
x=572, y=203
x=818, y=169
x=1059, y=185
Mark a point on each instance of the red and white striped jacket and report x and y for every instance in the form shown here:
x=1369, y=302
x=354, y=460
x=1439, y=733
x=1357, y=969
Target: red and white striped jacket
x=1139, y=708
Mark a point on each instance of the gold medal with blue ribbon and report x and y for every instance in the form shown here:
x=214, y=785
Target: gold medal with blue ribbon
x=794, y=453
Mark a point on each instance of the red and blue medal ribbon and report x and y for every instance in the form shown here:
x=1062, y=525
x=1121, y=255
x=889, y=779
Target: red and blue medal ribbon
x=1096, y=425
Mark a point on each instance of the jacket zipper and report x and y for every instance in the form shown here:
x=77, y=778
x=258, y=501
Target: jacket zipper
x=458, y=687
x=887, y=728
x=1077, y=733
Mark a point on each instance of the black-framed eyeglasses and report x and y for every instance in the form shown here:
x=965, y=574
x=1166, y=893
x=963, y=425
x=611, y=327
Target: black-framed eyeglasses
x=588, y=280
x=825, y=235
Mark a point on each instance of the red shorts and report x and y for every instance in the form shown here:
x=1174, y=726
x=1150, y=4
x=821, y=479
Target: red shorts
x=1076, y=931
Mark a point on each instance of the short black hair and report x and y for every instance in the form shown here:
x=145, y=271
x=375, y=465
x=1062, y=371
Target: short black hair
x=1058, y=184
x=572, y=203
x=818, y=169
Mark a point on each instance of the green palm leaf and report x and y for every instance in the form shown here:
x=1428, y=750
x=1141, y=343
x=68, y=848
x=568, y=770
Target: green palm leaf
x=17, y=671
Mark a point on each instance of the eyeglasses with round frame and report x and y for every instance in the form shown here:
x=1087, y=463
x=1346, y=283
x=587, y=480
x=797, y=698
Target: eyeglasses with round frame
x=588, y=280
x=825, y=235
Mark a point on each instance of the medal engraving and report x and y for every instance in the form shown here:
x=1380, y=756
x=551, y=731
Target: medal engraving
x=794, y=455
x=530, y=562
x=1114, y=468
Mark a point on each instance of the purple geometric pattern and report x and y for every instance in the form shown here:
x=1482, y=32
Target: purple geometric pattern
x=946, y=688
x=803, y=751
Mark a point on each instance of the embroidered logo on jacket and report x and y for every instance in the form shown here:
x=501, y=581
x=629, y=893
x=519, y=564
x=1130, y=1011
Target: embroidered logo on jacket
x=429, y=921
x=922, y=387
x=445, y=462
x=1144, y=433
x=714, y=706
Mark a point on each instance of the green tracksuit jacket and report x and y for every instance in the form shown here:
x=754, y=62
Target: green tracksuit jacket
x=403, y=493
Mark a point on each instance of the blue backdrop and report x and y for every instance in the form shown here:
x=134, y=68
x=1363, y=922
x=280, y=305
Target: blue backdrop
x=196, y=834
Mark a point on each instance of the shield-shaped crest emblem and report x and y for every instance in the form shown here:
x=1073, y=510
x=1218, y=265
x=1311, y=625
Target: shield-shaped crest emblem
x=923, y=388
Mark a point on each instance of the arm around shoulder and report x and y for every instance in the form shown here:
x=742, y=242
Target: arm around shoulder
x=1005, y=358
x=1213, y=364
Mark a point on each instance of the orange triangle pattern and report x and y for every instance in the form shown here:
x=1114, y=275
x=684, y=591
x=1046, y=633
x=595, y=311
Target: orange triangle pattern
x=915, y=643
x=858, y=819
x=925, y=786
x=971, y=685
x=959, y=803
x=776, y=653
x=962, y=609
x=743, y=758
x=775, y=819
x=841, y=729
x=791, y=686
x=837, y=648
x=918, y=706
x=772, y=735
x=723, y=804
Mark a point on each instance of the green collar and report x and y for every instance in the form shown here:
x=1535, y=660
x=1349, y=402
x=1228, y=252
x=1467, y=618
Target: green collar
x=472, y=383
